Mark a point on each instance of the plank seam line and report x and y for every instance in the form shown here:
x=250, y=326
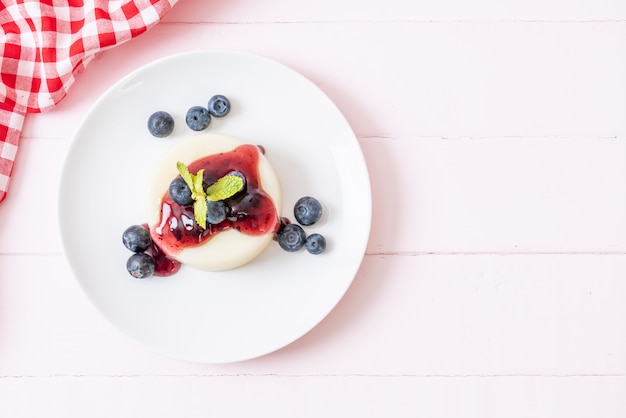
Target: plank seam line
x=30, y=254
x=492, y=253
x=396, y=21
x=322, y=375
x=405, y=253
x=400, y=135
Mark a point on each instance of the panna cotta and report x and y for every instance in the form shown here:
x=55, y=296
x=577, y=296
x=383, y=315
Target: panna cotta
x=253, y=214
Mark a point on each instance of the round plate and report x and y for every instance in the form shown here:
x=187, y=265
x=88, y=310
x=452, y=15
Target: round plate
x=224, y=316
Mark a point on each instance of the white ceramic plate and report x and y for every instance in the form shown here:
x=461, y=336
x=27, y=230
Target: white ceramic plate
x=243, y=313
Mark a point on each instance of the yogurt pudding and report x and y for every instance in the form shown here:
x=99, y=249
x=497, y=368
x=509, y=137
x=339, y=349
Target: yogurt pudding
x=254, y=214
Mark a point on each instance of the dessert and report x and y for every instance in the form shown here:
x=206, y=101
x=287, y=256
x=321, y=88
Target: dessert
x=252, y=215
x=213, y=203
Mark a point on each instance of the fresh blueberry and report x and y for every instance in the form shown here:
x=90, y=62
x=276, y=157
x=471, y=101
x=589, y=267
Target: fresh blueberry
x=315, y=244
x=291, y=237
x=216, y=212
x=136, y=238
x=198, y=118
x=180, y=192
x=161, y=124
x=140, y=265
x=219, y=106
x=307, y=210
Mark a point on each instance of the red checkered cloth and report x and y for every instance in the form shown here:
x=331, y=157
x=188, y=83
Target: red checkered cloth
x=46, y=43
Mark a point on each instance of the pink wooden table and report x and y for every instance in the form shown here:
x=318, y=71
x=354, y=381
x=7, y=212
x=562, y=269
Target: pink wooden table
x=494, y=281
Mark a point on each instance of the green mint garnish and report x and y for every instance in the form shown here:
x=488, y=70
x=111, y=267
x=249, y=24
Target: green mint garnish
x=184, y=173
x=223, y=188
x=199, y=210
x=197, y=192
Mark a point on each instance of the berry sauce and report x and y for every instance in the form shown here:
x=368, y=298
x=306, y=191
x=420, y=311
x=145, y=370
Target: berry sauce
x=164, y=266
x=252, y=210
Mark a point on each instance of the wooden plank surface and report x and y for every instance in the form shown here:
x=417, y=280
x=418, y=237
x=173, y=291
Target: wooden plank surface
x=314, y=396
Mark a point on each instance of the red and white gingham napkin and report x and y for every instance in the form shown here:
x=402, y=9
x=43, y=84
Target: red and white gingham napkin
x=45, y=43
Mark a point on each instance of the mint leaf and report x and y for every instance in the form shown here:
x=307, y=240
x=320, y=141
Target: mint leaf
x=199, y=211
x=197, y=192
x=224, y=188
x=184, y=173
x=198, y=189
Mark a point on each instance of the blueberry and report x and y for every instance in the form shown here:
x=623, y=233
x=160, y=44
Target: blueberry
x=216, y=211
x=140, y=265
x=136, y=238
x=198, y=118
x=180, y=192
x=315, y=244
x=219, y=106
x=291, y=237
x=161, y=124
x=307, y=210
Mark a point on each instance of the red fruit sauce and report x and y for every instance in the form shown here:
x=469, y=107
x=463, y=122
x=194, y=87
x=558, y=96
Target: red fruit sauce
x=164, y=266
x=252, y=211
